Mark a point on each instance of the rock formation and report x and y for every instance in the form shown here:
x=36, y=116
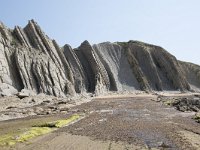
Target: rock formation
x=31, y=61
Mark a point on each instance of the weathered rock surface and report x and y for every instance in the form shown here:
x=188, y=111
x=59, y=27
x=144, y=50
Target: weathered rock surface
x=192, y=74
x=34, y=62
x=7, y=90
x=30, y=104
x=25, y=93
x=161, y=69
x=30, y=60
x=114, y=59
x=189, y=103
x=96, y=75
x=77, y=69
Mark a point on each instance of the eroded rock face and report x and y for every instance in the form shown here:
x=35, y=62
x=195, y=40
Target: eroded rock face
x=95, y=72
x=160, y=69
x=77, y=69
x=30, y=60
x=114, y=58
x=38, y=62
x=192, y=74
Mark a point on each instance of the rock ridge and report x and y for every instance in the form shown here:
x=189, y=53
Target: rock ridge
x=30, y=60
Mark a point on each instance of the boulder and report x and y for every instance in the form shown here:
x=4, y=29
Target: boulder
x=25, y=93
x=7, y=90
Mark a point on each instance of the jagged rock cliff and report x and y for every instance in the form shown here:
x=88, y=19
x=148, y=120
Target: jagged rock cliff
x=30, y=60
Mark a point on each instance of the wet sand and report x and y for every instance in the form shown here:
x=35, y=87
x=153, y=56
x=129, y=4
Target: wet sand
x=130, y=122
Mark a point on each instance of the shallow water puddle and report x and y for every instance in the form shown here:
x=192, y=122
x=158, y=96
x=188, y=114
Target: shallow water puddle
x=37, y=130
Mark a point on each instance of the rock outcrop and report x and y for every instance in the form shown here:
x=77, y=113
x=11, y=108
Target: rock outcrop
x=34, y=62
x=31, y=61
x=192, y=74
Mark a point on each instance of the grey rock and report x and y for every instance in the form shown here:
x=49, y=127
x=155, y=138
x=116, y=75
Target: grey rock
x=41, y=64
x=97, y=78
x=30, y=60
x=160, y=69
x=183, y=103
x=192, y=74
x=25, y=93
x=113, y=57
x=77, y=69
x=39, y=111
x=7, y=90
x=63, y=108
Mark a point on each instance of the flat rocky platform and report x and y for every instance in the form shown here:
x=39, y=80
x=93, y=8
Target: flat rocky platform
x=115, y=122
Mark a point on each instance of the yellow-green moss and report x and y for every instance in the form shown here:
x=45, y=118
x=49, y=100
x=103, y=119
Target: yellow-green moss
x=7, y=140
x=59, y=123
x=33, y=132
x=12, y=138
x=168, y=102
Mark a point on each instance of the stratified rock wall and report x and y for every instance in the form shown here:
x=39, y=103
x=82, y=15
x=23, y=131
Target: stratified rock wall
x=161, y=69
x=30, y=60
x=192, y=74
x=37, y=62
x=114, y=59
x=77, y=69
x=10, y=81
x=95, y=72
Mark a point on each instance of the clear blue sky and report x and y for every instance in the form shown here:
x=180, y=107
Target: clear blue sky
x=172, y=24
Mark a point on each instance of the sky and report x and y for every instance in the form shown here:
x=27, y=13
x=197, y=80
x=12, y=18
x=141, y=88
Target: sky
x=171, y=24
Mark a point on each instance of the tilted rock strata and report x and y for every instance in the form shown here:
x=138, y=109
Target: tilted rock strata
x=38, y=62
x=192, y=74
x=116, y=64
x=30, y=60
x=95, y=71
x=77, y=69
x=161, y=69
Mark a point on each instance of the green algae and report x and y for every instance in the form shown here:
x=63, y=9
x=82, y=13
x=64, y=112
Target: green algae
x=11, y=139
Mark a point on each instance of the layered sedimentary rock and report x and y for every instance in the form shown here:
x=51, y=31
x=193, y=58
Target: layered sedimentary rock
x=113, y=57
x=30, y=60
x=161, y=69
x=35, y=62
x=96, y=75
x=77, y=69
x=192, y=74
